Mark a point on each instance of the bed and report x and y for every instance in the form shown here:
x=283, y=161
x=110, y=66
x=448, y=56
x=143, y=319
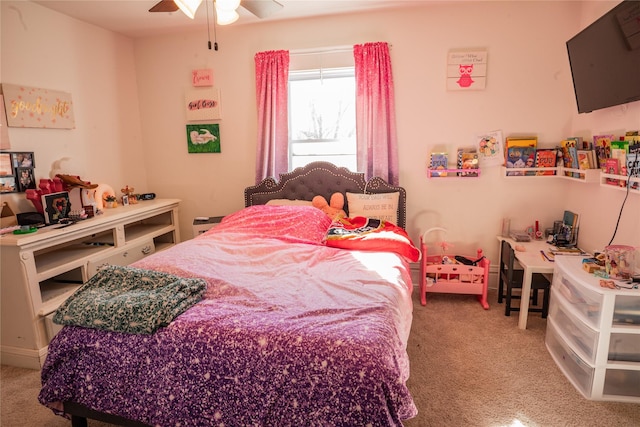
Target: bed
x=288, y=331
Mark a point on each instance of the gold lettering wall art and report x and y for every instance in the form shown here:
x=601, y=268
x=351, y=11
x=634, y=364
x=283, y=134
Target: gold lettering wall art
x=31, y=107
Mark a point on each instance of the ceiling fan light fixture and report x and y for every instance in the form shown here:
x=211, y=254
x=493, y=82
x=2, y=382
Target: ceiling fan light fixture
x=227, y=5
x=226, y=17
x=188, y=7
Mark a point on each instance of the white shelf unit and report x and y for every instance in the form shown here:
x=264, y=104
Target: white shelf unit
x=577, y=175
x=587, y=176
x=41, y=270
x=584, y=176
x=593, y=333
x=620, y=182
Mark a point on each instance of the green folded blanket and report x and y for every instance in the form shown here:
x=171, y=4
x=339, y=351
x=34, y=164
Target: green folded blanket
x=131, y=300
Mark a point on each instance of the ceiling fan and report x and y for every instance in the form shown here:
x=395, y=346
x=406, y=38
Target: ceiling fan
x=225, y=9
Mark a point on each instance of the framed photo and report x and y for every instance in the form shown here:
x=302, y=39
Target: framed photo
x=6, y=168
x=204, y=138
x=125, y=200
x=26, y=179
x=8, y=184
x=56, y=206
x=23, y=159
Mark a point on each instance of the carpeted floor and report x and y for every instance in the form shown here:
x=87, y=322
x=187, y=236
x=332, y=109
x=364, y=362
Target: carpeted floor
x=469, y=367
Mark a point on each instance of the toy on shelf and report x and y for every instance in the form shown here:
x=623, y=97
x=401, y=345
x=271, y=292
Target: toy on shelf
x=129, y=195
x=449, y=273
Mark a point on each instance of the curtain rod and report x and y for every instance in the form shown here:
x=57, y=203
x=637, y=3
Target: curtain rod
x=321, y=50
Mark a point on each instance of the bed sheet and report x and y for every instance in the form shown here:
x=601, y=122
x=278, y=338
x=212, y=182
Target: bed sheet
x=289, y=332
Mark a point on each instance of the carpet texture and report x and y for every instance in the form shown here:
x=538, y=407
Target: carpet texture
x=469, y=367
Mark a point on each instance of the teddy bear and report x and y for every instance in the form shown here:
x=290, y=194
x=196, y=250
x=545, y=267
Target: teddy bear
x=334, y=209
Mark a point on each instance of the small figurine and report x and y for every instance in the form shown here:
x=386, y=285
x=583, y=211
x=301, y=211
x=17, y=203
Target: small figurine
x=128, y=191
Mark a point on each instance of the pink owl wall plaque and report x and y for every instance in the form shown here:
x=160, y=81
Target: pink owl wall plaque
x=467, y=70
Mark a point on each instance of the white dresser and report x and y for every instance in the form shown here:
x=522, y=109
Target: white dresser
x=593, y=333
x=41, y=270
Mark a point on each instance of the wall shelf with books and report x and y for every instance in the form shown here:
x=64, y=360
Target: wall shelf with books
x=466, y=164
x=587, y=176
x=453, y=173
x=547, y=172
x=577, y=175
x=619, y=182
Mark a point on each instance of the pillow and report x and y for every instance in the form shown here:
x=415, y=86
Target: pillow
x=383, y=206
x=287, y=202
x=369, y=234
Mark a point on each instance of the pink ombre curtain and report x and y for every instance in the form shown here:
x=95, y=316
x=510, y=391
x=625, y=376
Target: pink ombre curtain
x=375, y=113
x=272, y=77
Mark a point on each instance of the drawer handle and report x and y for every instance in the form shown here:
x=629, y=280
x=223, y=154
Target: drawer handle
x=146, y=250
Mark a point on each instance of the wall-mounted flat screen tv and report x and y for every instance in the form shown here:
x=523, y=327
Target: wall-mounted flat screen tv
x=605, y=59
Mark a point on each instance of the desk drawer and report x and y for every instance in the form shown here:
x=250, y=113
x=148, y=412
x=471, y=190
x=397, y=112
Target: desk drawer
x=124, y=256
x=585, y=301
x=580, y=335
x=579, y=372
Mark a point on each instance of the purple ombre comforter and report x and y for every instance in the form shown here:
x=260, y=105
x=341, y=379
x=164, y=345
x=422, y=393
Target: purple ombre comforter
x=289, y=333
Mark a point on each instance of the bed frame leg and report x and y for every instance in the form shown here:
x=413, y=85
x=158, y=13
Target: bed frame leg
x=77, y=421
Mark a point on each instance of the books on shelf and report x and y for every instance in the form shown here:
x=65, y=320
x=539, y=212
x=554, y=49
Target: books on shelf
x=619, y=150
x=546, y=158
x=570, y=156
x=520, y=153
x=612, y=168
x=633, y=164
x=587, y=159
x=468, y=162
x=438, y=164
x=602, y=145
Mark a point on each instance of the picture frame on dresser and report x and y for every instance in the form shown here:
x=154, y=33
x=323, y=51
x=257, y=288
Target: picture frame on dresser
x=23, y=159
x=25, y=179
x=56, y=207
x=8, y=184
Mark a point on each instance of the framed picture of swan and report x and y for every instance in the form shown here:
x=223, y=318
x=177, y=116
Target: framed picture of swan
x=203, y=138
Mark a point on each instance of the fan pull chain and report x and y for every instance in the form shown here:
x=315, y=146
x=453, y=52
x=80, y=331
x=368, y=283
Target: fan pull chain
x=215, y=34
x=208, y=27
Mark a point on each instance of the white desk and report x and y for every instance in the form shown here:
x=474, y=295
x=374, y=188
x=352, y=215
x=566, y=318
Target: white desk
x=532, y=261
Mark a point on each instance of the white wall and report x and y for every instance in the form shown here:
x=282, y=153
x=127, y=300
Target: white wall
x=528, y=91
x=45, y=49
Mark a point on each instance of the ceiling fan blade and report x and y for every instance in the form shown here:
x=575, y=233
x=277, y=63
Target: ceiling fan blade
x=261, y=8
x=165, y=6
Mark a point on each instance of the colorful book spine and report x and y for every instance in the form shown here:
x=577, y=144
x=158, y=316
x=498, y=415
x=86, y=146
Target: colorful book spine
x=468, y=163
x=438, y=164
x=546, y=158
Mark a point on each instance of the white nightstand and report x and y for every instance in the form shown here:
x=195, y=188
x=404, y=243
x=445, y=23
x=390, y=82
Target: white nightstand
x=202, y=225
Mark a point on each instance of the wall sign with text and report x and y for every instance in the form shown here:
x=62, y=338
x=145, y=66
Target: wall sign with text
x=203, y=104
x=202, y=77
x=467, y=69
x=31, y=107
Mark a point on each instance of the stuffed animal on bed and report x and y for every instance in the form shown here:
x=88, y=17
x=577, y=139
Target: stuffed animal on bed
x=334, y=209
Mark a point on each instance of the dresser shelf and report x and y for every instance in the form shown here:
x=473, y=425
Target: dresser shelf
x=42, y=269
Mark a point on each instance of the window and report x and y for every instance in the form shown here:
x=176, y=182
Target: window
x=322, y=118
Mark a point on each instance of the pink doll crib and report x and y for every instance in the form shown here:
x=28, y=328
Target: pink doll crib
x=445, y=274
